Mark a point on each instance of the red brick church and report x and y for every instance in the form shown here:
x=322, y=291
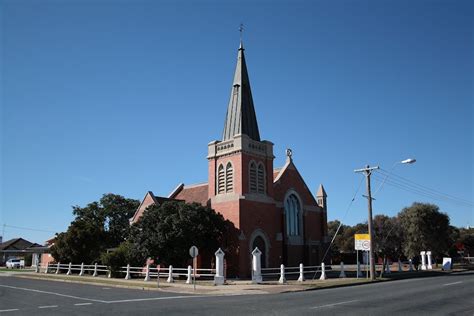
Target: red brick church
x=272, y=208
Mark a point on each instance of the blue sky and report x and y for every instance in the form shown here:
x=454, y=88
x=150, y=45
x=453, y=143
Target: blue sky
x=124, y=96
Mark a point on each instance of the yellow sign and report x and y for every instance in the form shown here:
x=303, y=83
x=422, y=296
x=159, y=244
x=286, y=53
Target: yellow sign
x=361, y=237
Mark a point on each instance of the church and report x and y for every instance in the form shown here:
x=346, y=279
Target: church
x=271, y=208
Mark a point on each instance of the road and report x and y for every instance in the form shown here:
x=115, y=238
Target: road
x=442, y=295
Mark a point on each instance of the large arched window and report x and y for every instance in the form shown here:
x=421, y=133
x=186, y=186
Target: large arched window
x=292, y=215
x=253, y=177
x=261, y=179
x=220, y=179
x=229, y=178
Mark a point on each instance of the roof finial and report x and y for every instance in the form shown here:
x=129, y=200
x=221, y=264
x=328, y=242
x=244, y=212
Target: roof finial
x=241, y=30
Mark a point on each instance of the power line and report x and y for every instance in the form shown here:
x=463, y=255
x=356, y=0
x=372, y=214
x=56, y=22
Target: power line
x=29, y=228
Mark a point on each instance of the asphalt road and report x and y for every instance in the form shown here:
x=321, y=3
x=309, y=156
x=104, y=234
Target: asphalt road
x=442, y=295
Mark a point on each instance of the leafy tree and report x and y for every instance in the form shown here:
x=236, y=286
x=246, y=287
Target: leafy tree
x=167, y=231
x=99, y=225
x=425, y=228
x=388, y=236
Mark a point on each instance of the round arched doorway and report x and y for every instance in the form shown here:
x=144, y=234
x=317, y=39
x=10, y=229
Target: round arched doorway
x=260, y=243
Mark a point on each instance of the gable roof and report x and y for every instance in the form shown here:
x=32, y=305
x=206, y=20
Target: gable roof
x=198, y=193
x=15, y=244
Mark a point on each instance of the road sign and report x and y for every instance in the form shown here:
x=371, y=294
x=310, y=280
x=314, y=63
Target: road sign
x=193, y=252
x=362, y=242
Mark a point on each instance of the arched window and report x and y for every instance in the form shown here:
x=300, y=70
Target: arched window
x=292, y=215
x=253, y=177
x=261, y=179
x=229, y=178
x=220, y=179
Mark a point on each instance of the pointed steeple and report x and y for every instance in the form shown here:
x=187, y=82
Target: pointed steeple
x=241, y=118
x=321, y=191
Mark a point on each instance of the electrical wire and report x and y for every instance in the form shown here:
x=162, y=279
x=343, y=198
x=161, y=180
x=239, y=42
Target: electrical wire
x=28, y=228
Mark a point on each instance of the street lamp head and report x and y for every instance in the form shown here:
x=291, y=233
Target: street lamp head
x=408, y=161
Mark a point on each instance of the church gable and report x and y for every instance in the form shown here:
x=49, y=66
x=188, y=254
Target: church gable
x=197, y=193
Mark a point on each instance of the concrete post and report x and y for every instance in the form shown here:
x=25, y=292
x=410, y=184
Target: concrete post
x=301, y=277
x=400, y=269
x=359, y=272
x=95, y=270
x=387, y=267
x=69, y=269
x=282, y=279
x=343, y=274
x=147, y=273
x=411, y=265
x=423, y=260
x=219, y=277
x=189, y=280
x=127, y=276
x=57, y=268
x=256, y=266
x=430, y=266
x=170, y=275
x=47, y=267
x=37, y=268
x=82, y=269
x=323, y=271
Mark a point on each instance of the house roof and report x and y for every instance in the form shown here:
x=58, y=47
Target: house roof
x=198, y=193
x=15, y=244
x=240, y=117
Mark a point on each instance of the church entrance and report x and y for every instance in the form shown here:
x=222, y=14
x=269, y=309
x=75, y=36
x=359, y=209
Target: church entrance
x=260, y=243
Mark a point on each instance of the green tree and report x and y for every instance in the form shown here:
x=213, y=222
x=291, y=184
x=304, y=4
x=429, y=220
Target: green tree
x=425, y=228
x=388, y=236
x=167, y=231
x=99, y=225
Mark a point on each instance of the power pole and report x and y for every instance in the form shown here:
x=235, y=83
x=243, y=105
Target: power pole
x=368, y=171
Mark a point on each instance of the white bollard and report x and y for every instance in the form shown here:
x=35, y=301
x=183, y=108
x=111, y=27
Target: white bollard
x=256, y=266
x=219, y=277
x=400, y=269
x=147, y=273
x=47, y=267
x=170, y=275
x=282, y=279
x=82, y=269
x=387, y=267
x=37, y=268
x=57, y=268
x=411, y=265
x=430, y=266
x=423, y=260
x=127, y=276
x=359, y=272
x=95, y=270
x=301, y=277
x=69, y=269
x=189, y=280
x=323, y=271
x=343, y=274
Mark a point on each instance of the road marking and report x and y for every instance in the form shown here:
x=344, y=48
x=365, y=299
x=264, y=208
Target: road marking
x=9, y=310
x=330, y=305
x=106, y=288
x=82, y=304
x=157, y=298
x=452, y=283
x=52, y=293
x=48, y=306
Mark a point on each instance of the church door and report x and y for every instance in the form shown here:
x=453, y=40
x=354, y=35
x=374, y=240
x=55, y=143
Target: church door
x=260, y=243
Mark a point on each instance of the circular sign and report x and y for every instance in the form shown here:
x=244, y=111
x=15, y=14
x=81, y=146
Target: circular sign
x=193, y=252
x=366, y=244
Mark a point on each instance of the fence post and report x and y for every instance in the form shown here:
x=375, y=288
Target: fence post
x=359, y=272
x=256, y=266
x=189, y=279
x=147, y=273
x=387, y=267
x=170, y=275
x=47, y=267
x=282, y=279
x=323, y=271
x=219, y=277
x=37, y=268
x=95, y=270
x=57, y=268
x=423, y=260
x=343, y=274
x=400, y=269
x=411, y=265
x=82, y=269
x=301, y=277
x=69, y=269
x=430, y=266
x=127, y=276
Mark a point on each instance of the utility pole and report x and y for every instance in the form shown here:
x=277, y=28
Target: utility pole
x=368, y=171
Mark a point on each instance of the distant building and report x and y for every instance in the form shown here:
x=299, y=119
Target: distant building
x=16, y=248
x=272, y=208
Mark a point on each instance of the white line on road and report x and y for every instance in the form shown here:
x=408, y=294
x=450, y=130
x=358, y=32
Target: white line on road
x=452, y=283
x=82, y=304
x=9, y=310
x=48, y=306
x=330, y=305
x=52, y=293
x=157, y=298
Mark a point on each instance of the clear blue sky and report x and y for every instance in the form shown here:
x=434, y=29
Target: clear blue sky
x=124, y=96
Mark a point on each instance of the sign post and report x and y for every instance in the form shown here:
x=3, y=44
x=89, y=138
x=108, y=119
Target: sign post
x=193, y=252
x=361, y=242
x=158, y=268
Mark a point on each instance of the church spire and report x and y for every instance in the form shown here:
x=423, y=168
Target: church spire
x=241, y=118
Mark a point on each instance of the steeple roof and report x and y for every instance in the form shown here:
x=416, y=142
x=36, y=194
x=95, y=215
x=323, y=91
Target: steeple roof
x=321, y=191
x=241, y=118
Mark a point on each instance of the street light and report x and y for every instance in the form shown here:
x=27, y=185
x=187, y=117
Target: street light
x=368, y=172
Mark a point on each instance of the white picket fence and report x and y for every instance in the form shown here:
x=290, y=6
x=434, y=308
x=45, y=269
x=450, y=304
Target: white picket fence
x=282, y=272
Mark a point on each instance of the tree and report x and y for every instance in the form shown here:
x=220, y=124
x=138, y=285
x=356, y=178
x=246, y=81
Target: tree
x=100, y=225
x=167, y=231
x=388, y=236
x=425, y=228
